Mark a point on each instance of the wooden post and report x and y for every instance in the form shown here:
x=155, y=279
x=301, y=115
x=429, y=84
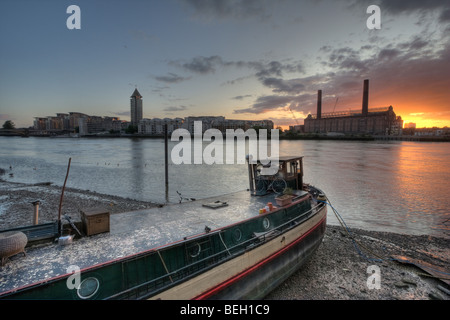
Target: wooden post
x=166, y=159
x=62, y=194
x=35, y=217
x=251, y=173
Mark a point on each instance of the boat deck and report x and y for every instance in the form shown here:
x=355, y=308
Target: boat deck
x=130, y=233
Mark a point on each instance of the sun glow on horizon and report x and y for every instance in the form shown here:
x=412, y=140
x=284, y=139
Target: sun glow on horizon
x=427, y=123
x=426, y=120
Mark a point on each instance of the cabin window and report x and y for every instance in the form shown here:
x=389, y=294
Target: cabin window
x=194, y=250
x=88, y=287
x=237, y=235
x=293, y=168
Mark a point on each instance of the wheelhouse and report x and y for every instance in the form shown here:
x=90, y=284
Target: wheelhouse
x=290, y=169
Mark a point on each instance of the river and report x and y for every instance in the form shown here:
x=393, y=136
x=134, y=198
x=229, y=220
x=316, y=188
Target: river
x=395, y=186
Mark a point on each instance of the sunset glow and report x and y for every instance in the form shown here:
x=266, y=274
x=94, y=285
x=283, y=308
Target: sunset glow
x=239, y=59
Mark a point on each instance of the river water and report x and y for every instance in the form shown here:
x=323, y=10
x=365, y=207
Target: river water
x=394, y=186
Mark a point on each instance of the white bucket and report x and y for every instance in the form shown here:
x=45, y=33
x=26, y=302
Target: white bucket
x=65, y=240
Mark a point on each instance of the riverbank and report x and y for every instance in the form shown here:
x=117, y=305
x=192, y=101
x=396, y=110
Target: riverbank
x=16, y=208
x=337, y=271
x=287, y=135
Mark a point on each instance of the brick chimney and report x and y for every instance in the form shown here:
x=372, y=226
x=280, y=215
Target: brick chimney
x=365, y=102
x=319, y=104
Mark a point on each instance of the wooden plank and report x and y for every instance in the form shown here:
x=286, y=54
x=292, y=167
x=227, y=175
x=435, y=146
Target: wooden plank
x=435, y=271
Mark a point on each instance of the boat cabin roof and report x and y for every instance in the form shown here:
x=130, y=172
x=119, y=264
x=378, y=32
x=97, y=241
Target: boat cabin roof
x=282, y=158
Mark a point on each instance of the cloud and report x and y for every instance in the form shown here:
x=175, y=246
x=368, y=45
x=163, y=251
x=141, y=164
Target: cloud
x=346, y=58
x=284, y=86
x=222, y=9
x=238, y=80
x=175, y=108
x=445, y=16
x=417, y=43
x=205, y=65
x=267, y=103
x=121, y=113
x=160, y=89
x=275, y=68
x=200, y=64
x=387, y=54
x=171, y=78
x=395, y=7
x=242, y=97
x=418, y=66
x=401, y=6
x=275, y=102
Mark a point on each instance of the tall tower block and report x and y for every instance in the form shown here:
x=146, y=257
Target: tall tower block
x=136, y=107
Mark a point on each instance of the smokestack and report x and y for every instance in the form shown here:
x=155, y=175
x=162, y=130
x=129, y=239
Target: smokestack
x=365, y=103
x=319, y=104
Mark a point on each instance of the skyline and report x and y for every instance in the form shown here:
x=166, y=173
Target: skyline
x=254, y=59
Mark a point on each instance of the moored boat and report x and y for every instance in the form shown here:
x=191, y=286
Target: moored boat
x=253, y=244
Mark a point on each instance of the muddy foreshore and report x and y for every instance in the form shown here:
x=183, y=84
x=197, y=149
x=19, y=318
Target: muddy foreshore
x=342, y=265
x=16, y=208
x=339, y=270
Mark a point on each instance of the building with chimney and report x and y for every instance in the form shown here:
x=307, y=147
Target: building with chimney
x=379, y=121
x=136, y=108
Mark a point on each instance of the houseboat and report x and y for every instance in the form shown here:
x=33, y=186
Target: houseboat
x=251, y=242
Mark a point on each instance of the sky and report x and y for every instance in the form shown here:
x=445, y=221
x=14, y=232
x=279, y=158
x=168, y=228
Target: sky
x=241, y=59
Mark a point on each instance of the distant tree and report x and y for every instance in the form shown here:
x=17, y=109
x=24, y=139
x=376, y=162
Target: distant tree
x=9, y=125
x=131, y=129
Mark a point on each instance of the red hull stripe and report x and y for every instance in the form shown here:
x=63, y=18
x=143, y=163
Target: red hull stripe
x=241, y=275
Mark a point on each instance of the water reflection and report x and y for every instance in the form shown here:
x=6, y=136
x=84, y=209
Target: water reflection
x=422, y=181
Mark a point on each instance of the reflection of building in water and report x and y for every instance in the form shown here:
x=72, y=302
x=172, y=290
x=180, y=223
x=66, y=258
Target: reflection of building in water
x=380, y=121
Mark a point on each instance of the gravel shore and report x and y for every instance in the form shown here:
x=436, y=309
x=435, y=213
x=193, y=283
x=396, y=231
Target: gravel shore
x=339, y=270
x=16, y=208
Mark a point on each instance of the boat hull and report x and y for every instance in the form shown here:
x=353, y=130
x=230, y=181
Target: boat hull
x=269, y=275
x=257, y=272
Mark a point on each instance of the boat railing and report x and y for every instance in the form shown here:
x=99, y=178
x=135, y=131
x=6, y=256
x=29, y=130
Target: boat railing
x=171, y=278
